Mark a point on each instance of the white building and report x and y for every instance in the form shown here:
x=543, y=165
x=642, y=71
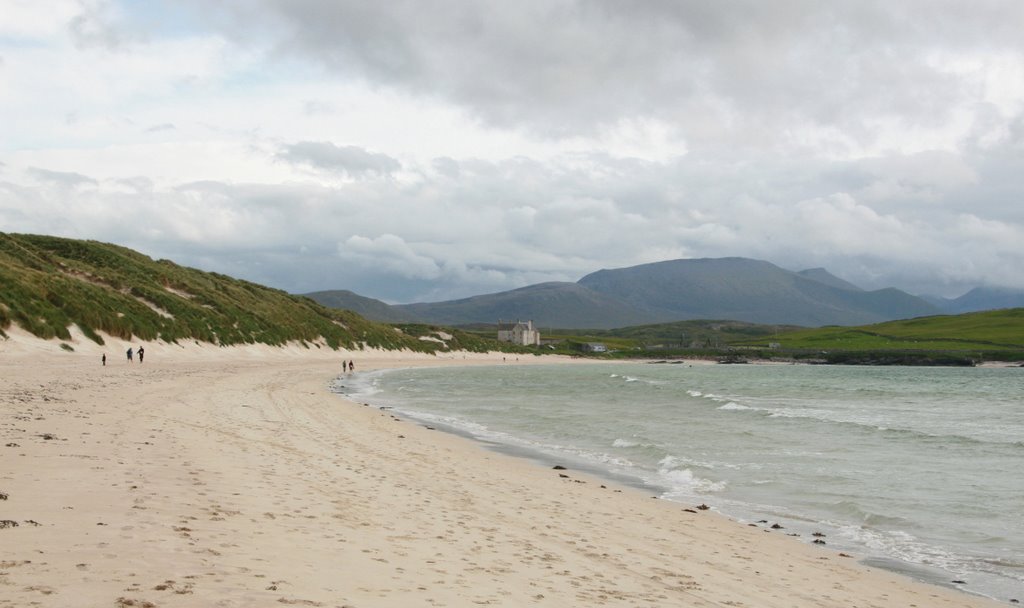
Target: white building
x=524, y=334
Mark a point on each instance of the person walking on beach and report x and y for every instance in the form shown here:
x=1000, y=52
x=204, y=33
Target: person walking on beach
x=104, y=359
x=351, y=365
x=129, y=354
x=142, y=352
x=344, y=366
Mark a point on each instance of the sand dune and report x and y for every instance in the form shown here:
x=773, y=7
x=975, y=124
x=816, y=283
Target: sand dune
x=232, y=477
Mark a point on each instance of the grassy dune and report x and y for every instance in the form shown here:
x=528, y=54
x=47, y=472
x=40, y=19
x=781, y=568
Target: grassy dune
x=51, y=284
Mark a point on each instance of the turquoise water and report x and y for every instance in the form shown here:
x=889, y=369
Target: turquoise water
x=915, y=469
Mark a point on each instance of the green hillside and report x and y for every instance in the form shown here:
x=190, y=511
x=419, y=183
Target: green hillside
x=695, y=334
x=965, y=339
x=994, y=330
x=51, y=284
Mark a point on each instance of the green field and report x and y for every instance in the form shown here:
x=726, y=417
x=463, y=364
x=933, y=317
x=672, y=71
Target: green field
x=994, y=330
x=940, y=340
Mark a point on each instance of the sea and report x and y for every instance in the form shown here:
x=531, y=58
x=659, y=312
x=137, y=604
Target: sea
x=917, y=470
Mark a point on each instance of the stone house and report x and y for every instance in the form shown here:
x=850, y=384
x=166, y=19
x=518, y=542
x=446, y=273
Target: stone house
x=523, y=334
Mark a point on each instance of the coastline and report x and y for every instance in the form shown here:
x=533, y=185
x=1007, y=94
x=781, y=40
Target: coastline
x=233, y=477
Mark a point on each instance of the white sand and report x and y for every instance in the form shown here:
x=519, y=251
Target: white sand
x=232, y=477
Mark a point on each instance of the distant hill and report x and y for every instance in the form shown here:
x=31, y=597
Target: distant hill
x=939, y=302
x=50, y=284
x=737, y=289
x=978, y=299
x=750, y=290
x=372, y=309
x=827, y=278
x=566, y=305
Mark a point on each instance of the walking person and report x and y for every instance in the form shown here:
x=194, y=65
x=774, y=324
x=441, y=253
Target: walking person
x=142, y=352
x=104, y=359
x=129, y=354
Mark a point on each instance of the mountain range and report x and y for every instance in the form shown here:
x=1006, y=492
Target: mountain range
x=739, y=289
x=978, y=299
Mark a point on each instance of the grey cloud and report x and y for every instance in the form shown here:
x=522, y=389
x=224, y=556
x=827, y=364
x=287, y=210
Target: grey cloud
x=99, y=26
x=138, y=184
x=314, y=108
x=392, y=254
x=744, y=72
x=926, y=223
x=554, y=220
x=348, y=160
x=447, y=167
x=547, y=219
x=60, y=178
x=161, y=127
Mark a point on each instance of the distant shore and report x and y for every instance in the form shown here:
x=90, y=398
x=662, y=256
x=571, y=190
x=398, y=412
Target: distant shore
x=233, y=477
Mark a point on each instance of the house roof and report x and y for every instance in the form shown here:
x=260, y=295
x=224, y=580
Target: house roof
x=510, y=326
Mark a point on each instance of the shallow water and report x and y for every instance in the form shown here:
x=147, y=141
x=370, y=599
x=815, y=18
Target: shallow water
x=915, y=469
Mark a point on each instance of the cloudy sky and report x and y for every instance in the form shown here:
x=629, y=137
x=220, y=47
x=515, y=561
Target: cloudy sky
x=416, y=151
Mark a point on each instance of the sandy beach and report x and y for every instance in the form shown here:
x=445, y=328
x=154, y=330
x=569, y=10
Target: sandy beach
x=233, y=477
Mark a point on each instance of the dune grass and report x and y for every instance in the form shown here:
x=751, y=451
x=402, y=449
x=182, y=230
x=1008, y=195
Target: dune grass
x=51, y=284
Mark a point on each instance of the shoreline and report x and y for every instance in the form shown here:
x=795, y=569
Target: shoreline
x=799, y=528
x=234, y=477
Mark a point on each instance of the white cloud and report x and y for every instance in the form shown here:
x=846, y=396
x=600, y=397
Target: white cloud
x=27, y=20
